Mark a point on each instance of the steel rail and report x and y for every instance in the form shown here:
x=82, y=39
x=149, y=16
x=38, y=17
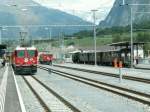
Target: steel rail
x=144, y=80
x=43, y=104
x=63, y=100
x=68, y=104
x=129, y=93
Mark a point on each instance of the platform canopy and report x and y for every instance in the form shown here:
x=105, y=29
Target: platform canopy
x=2, y=46
x=126, y=43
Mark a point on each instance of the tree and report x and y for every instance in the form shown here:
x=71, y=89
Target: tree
x=143, y=37
x=71, y=43
x=117, y=38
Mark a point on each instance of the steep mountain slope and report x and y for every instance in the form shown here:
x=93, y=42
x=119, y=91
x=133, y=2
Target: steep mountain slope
x=37, y=15
x=120, y=15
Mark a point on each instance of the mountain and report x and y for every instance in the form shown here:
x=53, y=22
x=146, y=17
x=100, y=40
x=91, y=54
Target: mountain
x=36, y=15
x=121, y=15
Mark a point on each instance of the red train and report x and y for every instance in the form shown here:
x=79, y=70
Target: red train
x=24, y=60
x=45, y=58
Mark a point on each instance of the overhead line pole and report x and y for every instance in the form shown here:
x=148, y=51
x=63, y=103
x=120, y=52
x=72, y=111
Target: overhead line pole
x=94, y=34
x=132, y=46
x=131, y=28
x=0, y=35
x=50, y=33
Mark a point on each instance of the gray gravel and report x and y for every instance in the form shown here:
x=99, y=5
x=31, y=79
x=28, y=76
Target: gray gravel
x=138, y=86
x=126, y=71
x=51, y=101
x=90, y=99
x=30, y=101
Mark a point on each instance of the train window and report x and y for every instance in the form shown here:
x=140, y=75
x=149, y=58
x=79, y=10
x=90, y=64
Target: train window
x=31, y=53
x=20, y=53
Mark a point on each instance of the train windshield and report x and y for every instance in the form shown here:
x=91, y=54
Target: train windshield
x=20, y=53
x=31, y=53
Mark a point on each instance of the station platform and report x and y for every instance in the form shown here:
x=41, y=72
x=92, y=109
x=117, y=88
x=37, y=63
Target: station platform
x=141, y=73
x=9, y=99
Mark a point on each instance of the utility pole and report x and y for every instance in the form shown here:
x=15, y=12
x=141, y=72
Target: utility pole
x=50, y=33
x=132, y=46
x=131, y=24
x=94, y=34
x=148, y=53
x=23, y=38
x=131, y=34
x=62, y=44
x=0, y=35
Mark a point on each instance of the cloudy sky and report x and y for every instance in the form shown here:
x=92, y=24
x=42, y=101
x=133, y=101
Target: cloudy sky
x=81, y=8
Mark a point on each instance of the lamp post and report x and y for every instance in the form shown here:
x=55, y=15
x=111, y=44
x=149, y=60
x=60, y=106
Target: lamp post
x=94, y=34
x=1, y=35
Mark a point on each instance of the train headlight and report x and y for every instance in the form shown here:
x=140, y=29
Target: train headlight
x=26, y=60
x=31, y=59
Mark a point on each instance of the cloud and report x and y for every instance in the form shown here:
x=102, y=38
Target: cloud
x=80, y=8
x=77, y=4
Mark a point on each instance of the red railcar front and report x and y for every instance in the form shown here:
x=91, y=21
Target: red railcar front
x=25, y=59
x=45, y=58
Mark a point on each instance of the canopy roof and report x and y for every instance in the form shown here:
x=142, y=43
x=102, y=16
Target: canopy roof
x=126, y=43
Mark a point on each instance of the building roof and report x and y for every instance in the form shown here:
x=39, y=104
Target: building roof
x=119, y=46
x=126, y=43
x=104, y=48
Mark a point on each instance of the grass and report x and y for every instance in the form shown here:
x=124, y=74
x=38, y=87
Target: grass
x=83, y=42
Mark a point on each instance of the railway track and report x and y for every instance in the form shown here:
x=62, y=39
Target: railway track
x=129, y=93
x=144, y=80
x=68, y=106
x=43, y=104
